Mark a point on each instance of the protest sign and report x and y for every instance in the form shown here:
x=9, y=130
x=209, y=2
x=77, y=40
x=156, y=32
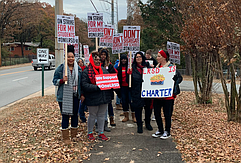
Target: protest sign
x=174, y=52
x=95, y=25
x=158, y=82
x=86, y=53
x=131, y=38
x=107, y=81
x=117, y=43
x=80, y=49
x=107, y=40
x=65, y=29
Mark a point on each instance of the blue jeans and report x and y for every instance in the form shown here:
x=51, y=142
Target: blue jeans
x=126, y=99
x=82, y=108
x=118, y=100
x=74, y=117
x=110, y=111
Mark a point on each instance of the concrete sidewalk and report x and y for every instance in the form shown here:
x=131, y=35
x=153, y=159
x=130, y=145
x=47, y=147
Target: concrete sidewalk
x=127, y=146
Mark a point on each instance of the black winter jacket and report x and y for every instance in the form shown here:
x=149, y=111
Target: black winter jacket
x=93, y=95
x=136, y=84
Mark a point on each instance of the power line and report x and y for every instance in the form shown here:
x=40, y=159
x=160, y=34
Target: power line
x=94, y=6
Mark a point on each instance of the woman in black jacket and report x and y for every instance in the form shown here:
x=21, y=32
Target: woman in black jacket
x=137, y=102
x=96, y=100
x=123, y=77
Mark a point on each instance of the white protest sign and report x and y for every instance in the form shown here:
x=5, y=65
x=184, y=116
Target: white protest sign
x=158, y=82
x=174, y=52
x=86, y=53
x=43, y=55
x=65, y=29
x=80, y=49
x=131, y=38
x=107, y=40
x=117, y=43
x=95, y=25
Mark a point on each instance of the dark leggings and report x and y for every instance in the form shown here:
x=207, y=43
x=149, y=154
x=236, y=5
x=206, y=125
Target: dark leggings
x=167, y=106
x=74, y=117
x=138, y=113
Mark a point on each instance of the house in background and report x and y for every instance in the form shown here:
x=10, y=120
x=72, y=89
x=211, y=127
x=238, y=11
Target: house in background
x=16, y=50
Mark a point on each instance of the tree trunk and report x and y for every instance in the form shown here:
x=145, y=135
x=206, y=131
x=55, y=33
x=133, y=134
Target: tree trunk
x=188, y=65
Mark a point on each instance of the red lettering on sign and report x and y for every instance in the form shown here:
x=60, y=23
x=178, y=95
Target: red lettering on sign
x=99, y=24
x=61, y=27
x=91, y=24
x=71, y=28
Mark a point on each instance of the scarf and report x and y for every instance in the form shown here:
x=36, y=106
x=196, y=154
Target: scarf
x=70, y=89
x=93, y=70
x=166, y=65
x=140, y=68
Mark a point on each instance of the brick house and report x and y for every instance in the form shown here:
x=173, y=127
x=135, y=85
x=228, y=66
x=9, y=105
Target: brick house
x=16, y=51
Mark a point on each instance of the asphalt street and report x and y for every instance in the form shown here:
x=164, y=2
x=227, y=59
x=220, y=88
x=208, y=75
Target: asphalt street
x=17, y=83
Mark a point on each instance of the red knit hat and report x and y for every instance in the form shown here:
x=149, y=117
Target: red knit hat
x=163, y=53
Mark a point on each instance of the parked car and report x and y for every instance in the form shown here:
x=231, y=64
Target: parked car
x=48, y=65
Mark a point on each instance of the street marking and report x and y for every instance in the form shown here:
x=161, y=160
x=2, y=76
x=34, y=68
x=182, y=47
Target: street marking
x=15, y=72
x=20, y=79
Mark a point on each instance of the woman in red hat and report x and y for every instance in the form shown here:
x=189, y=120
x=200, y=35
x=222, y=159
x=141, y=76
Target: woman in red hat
x=165, y=103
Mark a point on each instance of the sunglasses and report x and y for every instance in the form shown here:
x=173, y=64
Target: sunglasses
x=138, y=57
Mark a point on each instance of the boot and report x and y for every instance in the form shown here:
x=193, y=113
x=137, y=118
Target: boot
x=126, y=117
x=148, y=126
x=106, y=128
x=118, y=107
x=73, y=132
x=65, y=135
x=133, y=117
x=140, y=128
x=112, y=123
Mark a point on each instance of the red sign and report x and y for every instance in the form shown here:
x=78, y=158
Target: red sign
x=107, y=40
x=107, y=81
x=117, y=43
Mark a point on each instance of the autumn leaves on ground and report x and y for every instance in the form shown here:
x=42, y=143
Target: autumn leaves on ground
x=30, y=132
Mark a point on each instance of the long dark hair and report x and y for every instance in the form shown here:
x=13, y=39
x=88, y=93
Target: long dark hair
x=144, y=63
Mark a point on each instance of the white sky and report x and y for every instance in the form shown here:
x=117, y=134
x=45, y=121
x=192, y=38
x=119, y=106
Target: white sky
x=82, y=7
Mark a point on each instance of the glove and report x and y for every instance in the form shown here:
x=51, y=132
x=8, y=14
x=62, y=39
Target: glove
x=129, y=71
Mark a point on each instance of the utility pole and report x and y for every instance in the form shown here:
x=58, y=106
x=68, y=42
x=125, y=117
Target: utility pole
x=112, y=12
x=117, y=19
x=59, y=47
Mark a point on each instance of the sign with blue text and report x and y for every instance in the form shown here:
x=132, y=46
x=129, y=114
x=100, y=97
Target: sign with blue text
x=158, y=82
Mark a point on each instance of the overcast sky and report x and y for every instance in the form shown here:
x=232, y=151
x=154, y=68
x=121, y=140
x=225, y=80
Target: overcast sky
x=82, y=7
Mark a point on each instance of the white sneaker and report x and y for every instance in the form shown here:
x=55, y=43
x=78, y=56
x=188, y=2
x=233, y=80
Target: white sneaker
x=153, y=118
x=157, y=134
x=165, y=135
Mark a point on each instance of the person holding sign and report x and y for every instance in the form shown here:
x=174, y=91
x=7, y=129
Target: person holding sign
x=136, y=83
x=167, y=102
x=105, y=62
x=68, y=95
x=97, y=100
x=125, y=90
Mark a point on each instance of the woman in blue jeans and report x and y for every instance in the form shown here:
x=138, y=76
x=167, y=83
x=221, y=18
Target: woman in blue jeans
x=68, y=95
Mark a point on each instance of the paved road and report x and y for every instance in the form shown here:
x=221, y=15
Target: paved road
x=20, y=82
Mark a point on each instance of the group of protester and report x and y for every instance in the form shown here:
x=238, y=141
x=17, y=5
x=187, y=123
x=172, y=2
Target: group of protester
x=78, y=89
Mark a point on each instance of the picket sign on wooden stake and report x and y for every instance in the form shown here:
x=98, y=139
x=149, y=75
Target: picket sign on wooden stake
x=65, y=70
x=130, y=58
x=96, y=43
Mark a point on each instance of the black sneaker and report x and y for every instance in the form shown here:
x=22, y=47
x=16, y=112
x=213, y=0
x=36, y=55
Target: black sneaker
x=157, y=134
x=165, y=135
